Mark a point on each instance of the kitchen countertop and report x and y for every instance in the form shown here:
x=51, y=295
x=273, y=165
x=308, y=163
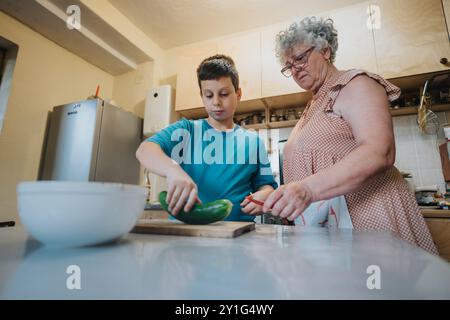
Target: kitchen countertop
x=273, y=262
x=435, y=213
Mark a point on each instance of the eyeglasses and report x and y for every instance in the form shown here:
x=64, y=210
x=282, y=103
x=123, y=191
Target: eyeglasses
x=299, y=62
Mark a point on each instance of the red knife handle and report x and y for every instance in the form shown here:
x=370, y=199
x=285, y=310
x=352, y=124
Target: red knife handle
x=250, y=198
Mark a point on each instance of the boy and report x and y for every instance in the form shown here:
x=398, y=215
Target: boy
x=209, y=159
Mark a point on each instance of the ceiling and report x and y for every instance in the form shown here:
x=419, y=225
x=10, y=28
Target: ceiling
x=172, y=23
x=97, y=41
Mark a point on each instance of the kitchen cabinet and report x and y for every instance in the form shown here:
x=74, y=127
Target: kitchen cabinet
x=446, y=6
x=273, y=82
x=394, y=38
x=245, y=50
x=438, y=222
x=410, y=36
x=440, y=232
x=188, y=92
x=356, y=47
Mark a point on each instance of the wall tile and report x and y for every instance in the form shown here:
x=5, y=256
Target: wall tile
x=417, y=153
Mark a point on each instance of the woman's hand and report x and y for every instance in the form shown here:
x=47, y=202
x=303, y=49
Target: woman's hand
x=289, y=200
x=252, y=208
x=182, y=190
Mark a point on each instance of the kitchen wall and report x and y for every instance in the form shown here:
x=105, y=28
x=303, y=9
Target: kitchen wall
x=417, y=153
x=45, y=75
x=130, y=92
x=130, y=89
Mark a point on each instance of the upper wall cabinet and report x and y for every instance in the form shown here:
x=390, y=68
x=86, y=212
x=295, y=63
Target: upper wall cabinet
x=410, y=36
x=245, y=50
x=188, y=92
x=273, y=82
x=394, y=38
x=446, y=5
x=356, y=48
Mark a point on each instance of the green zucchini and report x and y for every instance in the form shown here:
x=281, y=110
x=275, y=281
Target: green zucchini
x=201, y=213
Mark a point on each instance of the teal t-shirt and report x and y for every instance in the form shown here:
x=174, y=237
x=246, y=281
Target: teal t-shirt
x=224, y=164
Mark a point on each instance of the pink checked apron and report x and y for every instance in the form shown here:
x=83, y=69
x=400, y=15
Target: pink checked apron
x=319, y=140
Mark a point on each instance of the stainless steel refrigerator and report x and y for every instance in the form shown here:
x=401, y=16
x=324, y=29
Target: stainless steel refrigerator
x=91, y=140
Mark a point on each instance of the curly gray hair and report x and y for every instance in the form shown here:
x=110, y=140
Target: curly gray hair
x=314, y=31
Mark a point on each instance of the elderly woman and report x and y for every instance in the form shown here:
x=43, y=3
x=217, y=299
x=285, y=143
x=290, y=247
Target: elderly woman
x=343, y=145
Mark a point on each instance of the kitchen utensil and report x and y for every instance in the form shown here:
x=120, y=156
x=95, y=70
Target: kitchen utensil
x=221, y=229
x=267, y=217
x=250, y=198
x=426, y=119
x=67, y=213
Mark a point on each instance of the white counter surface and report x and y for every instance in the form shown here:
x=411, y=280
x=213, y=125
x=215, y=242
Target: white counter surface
x=273, y=262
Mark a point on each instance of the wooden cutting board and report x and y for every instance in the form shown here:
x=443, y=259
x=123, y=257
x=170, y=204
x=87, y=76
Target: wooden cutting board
x=221, y=229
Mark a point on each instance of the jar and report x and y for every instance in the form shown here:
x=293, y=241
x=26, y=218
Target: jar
x=273, y=118
x=291, y=115
x=256, y=118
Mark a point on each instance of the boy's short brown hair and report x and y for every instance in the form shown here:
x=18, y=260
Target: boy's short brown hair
x=216, y=67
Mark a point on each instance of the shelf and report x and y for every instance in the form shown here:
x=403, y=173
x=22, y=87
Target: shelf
x=440, y=107
x=256, y=126
x=196, y=113
x=433, y=213
x=272, y=125
x=300, y=99
x=405, y=111
x=282, y=124
x=250, y=106
x=417, y=81
x=294, y=100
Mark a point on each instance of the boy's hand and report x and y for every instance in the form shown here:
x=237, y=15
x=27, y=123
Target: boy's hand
x=249, y=207
x=182, y=191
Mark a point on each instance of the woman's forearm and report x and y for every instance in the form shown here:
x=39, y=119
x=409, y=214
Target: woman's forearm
x=350, y=174
x=152, y=157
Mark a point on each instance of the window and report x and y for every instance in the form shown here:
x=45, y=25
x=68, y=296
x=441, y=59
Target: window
x=8, y=56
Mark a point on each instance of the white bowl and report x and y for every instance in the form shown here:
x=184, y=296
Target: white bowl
x=67, y=213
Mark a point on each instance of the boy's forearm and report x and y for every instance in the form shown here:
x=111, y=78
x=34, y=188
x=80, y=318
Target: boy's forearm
x=152, y=157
